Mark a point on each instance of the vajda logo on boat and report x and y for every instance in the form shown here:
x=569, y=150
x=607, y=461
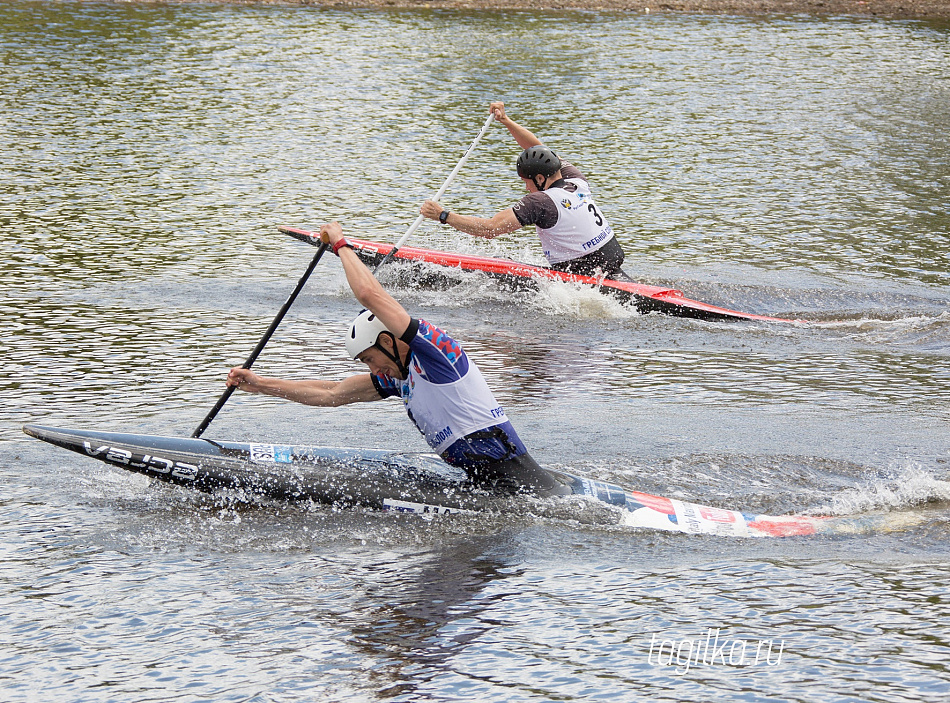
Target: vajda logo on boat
x=148, y=462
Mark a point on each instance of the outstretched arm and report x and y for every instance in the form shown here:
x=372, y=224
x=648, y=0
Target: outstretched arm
x=365, y=287
x=504, y=222
x=354, y=389
x=522, y=135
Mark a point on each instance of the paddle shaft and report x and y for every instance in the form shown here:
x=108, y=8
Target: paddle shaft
x=438, y=196
x=264, y=340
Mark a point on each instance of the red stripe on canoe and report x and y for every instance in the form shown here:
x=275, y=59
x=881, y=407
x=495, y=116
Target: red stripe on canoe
x=486, y=264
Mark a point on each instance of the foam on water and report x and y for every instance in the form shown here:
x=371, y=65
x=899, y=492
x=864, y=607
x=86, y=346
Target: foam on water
x=577, y=301
x=909, y=487
x=429, y=285
x=894, y=330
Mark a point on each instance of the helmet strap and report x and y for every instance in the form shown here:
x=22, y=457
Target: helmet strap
x=540, y=186
x=401, y=364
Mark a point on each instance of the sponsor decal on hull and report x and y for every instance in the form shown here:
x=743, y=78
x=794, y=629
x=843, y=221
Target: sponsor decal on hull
x=272, y=453
x=604, y=492
x=703, y=520
x=145, y=462
x=403, y=506
x=148, y=463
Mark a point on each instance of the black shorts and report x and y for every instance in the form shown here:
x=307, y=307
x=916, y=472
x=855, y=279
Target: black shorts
x=606, y=262
x=520, y=474
x=494, y=462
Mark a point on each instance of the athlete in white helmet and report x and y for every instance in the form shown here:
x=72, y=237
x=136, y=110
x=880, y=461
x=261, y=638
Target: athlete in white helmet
x=575, y=236
x=443, y=391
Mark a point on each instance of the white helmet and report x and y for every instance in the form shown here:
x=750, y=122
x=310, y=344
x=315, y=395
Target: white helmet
x=364, y=332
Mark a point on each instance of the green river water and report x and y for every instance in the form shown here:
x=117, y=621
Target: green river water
x=784, y=165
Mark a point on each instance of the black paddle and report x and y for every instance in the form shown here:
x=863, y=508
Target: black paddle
x=264, y=340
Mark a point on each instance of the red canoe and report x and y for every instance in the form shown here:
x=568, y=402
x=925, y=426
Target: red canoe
x=646, y=298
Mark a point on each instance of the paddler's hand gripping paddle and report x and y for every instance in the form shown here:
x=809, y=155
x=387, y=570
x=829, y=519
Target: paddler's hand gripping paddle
x=264, y=340
x=303, y=279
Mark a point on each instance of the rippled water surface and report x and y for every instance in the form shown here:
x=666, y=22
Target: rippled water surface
x=786, y=166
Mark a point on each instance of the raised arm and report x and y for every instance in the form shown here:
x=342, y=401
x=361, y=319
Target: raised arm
x=365, y=287
x=522, y=135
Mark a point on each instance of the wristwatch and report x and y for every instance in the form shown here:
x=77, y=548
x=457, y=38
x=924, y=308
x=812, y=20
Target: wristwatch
x=443, y=216
x=340, y=244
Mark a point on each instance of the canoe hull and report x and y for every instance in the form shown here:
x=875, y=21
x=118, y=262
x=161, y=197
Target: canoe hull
x=407, y=482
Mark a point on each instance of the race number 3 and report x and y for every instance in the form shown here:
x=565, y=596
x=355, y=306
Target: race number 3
x=598, y=218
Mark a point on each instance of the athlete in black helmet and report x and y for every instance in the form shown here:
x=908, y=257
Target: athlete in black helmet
x=537, y=163
x=574, y=233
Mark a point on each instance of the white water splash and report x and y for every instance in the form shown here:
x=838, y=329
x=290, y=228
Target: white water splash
x=875, y=323
x=912, y=486
x=455, y=288
x=577, y=301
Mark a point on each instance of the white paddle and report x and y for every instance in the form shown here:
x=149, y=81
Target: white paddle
x=438, y=196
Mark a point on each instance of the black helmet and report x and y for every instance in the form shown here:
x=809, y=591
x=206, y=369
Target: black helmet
x=538, y=161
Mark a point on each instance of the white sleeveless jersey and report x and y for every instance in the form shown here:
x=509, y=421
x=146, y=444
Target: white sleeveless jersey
x=581, y=227
x=446, y=412
x=445, y=394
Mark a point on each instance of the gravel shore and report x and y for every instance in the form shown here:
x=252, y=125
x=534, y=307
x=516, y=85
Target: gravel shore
x=892, y=9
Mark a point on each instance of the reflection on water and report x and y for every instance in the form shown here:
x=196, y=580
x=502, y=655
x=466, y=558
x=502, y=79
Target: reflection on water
x=144, y=140
x=432, y=617
x=73, y=354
